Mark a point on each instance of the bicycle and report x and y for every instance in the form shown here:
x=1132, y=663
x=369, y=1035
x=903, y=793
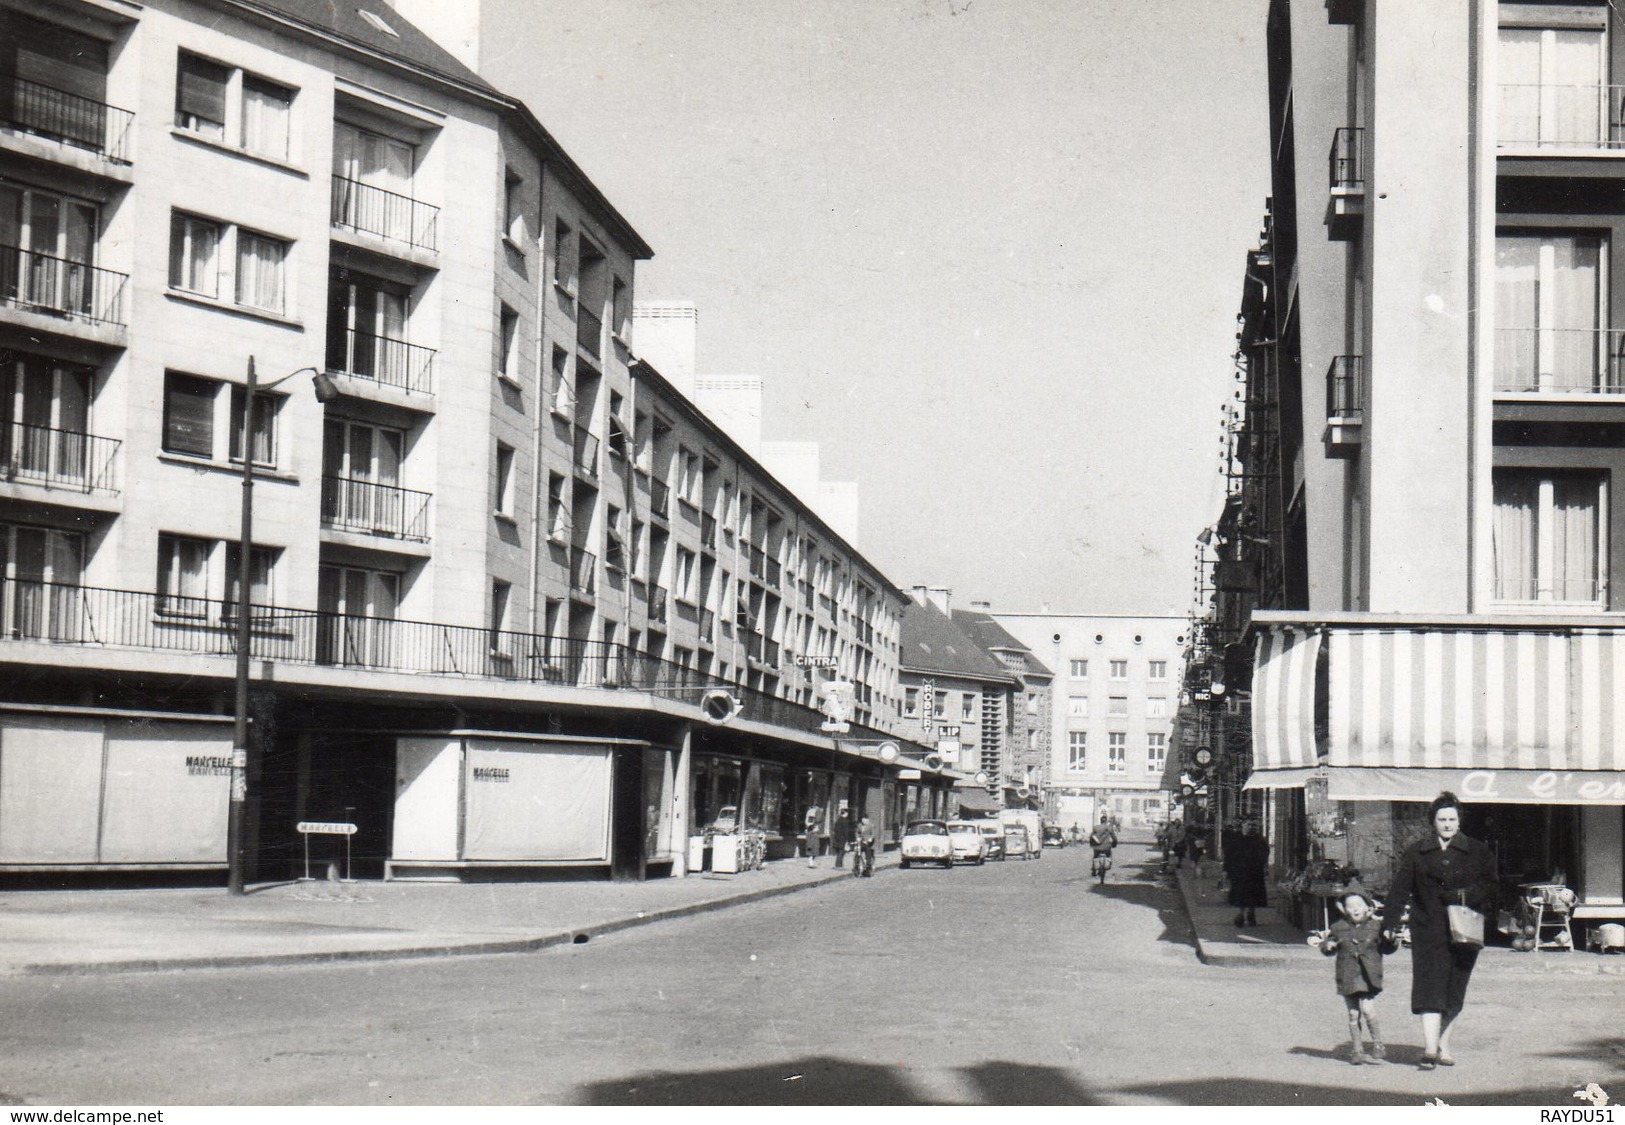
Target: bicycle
x=1101, y=864
x=863, y=860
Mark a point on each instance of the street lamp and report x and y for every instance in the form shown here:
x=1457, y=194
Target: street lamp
x=235, y=851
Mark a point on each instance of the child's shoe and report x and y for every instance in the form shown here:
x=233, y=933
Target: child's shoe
x=1359, y=1057
x=1379, y=1050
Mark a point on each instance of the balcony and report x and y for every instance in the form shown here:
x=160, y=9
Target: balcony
x=375, y=509
x=584, y=452
x=1345, y=402
x=658, y=605
x=384, y=361
x=589, y=331
x=1559, y=361
x=1346, y=175
x=660, y=500
x=1549, y=115
x=583, y=572
x=68, y=119
x=389, y=215
x=58, y=459
x=58, y=287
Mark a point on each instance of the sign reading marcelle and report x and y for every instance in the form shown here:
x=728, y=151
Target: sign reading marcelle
x=326, y=828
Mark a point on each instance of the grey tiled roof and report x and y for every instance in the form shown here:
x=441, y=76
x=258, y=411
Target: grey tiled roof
x=343, y=18
x=933, y=642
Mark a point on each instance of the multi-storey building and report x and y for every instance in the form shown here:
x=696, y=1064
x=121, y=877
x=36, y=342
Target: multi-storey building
x=1116, y=686
x=1028, y=748
x=495, y=561
x=1435, y=317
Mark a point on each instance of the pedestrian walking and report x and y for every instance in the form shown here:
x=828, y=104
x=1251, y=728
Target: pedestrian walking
x=810, y=823
x=1176, y=842
x=1248, y=863
x=863, y=856
x=1228, y=838
x=1196, y=846
x=840, y=837
x=1445, y=869
x=1356, y=940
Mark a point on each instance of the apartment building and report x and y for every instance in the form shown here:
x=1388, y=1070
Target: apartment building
x=1421, y=513
x=1117, y=680
x=496, y=562
x=1027, y=757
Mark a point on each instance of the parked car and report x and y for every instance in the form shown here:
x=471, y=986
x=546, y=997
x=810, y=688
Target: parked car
x=1033, y=823
x=993, y=834
x=927, y=841
x=1053, y=836
x=1016, y=842
x=966, y=842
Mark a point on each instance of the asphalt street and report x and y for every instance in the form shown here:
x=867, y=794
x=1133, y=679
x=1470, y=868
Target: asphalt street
x=1013, y=983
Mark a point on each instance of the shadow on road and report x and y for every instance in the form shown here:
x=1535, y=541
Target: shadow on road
x=1608, y=1051
x=831, y=1081
x=1139, y=885
x=1255, y=1091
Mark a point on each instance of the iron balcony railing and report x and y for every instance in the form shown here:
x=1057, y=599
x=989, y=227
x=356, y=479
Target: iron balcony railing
x=658, y=601
x=1347, y=158
x=58, y=459
x=583, y=571
x=584, y=451
x=589, y=331
x=1561, y=115
x=1559, y=360
x=660, y=499
x=70, y=118
x=392, y=363
x=61, y=287
x=375, y=509
x=388, y=214
x=1558, y=590
x=33, y=612
x=1345, y=387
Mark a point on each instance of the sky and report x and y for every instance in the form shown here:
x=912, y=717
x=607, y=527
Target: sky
x=987, y=253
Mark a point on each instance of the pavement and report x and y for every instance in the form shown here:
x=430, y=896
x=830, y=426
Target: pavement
x=153, y=929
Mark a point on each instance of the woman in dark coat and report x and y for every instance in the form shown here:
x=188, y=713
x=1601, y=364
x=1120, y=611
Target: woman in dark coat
x=1443, y=868
x=1249, y=874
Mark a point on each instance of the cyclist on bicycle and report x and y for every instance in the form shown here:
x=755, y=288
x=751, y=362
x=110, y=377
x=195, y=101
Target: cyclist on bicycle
x=863, y=849
x=1102, y=839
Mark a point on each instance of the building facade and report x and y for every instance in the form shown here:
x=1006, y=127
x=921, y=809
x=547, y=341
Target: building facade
x=1423, y=519
x=1115, y=690
x=496, y=561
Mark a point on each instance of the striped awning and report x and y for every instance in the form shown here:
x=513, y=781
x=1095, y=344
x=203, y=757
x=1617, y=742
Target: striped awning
x=1284, y=704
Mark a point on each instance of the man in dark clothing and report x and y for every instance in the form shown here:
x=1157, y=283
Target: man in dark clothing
x=840, y=838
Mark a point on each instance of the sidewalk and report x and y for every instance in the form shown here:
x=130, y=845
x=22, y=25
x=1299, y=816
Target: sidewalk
x=147, y=930
x=1275, y=941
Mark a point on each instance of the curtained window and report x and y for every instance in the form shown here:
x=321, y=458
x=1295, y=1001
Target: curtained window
x=267, y=109
x=200, y=97
x=260, y=271
x=194, y=255
x=1545, y=538
x=1549, y=314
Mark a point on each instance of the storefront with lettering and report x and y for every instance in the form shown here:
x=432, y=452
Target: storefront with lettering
x=90, y=788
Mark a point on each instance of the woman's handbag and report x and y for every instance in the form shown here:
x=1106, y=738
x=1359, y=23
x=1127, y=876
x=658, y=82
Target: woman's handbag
x=1466, y=924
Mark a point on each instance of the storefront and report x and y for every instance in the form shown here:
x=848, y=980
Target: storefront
x=1519, y=718
x=128, y=790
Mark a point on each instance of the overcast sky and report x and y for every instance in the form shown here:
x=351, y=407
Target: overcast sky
x=988, y=253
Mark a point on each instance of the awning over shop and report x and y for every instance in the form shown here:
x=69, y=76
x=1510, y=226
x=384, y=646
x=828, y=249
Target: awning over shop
x=1284, y=707
x=977, y=800
x=1278, y=779
x=1513, y=787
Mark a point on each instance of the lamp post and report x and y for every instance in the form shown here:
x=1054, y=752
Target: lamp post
x=235, y=850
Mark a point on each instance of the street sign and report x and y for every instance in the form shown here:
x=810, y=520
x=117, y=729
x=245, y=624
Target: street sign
x=325, y=828
x=909, y=775
x=928, y=708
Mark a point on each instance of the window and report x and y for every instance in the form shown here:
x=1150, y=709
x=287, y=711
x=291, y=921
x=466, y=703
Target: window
x=939, y=705
x=513, y=207
x=261, y=561
x=1156, y=752
x=1117, y=752
x=558, y=514
x=194, y=254
x=260, y=271
x=1077, y=750
x=205, y=93
x=502, y=502
x=685, y=573
x=564, y=400
x=1546, y=537
x=373, y=187
x=1117, y=706
x=614, y=539
x=911, y=702
x=967, y=707
x=563, y=257
x=1156, y=669
x=1119, y=670
x=1156, y=707
x=1550, y=314
x=500, y=592
x=1553, y=75
x=38, y=225
x=367, y=331
x=1079, y=669
x=263, y=435
x=620, y=307
x=193, y=420
x=507, y=343
x=688, y=481
x=183, y=576
x=1077, y=706
x=639, y=555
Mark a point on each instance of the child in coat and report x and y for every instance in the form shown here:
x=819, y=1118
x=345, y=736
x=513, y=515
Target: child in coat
x=1356, y=939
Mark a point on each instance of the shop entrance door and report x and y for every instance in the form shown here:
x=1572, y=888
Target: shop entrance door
x=627, y=833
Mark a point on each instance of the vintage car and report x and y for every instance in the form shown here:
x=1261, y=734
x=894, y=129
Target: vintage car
x=927, y=841
x=993, y=833
x=966, y=842
x=1016, y=841
x=1053, y=836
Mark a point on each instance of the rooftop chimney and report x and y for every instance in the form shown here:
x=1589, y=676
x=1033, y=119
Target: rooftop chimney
x=939, y=596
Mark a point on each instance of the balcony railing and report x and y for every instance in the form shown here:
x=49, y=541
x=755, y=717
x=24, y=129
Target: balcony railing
x=69, y=118
x=374, y=210
x=1345, y=387
x=659, y=601
x=1347, y=158
x=391, y=363
x=1586, y=590
x=1553, y=115
x=660, y=499
x=375, y=509
x=60, y=287
x=35, y=613
x=1559, y=360
x=583, y=571
x=58, y=459
x=589, y=331
x=584, y=451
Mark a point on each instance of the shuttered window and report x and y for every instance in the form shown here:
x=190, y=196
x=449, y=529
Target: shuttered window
x=200, y=96
x=188, y=415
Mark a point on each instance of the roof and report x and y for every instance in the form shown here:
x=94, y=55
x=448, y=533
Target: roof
x=986, y=631
x=977, y=800
x=930, y=641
